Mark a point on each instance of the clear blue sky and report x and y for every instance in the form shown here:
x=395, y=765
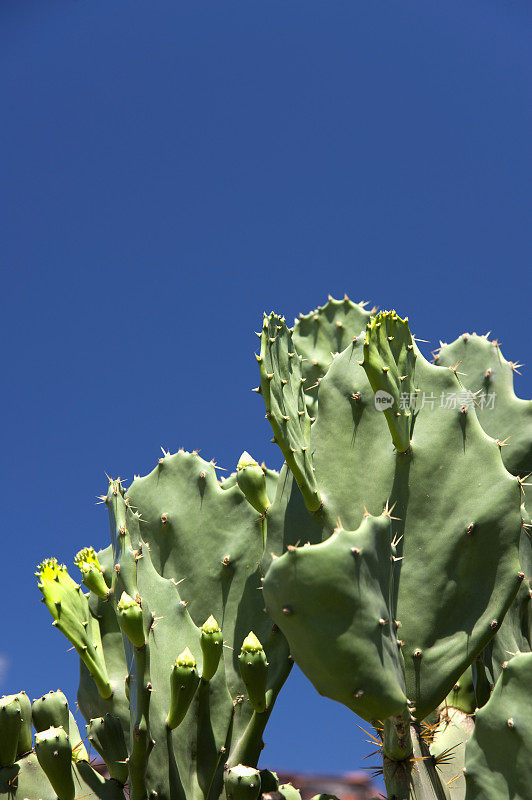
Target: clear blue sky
x=170, y=170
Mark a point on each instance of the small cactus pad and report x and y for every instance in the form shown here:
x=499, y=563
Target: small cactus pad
x=498, y=756
x=281, y=381
x=320, y=335
x=69, y=608
x=389, y=362
x=54, y=753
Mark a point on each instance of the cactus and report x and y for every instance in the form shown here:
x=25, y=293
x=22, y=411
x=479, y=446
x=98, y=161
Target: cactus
x=406, y=463
x=183, y=667
x=392, y=553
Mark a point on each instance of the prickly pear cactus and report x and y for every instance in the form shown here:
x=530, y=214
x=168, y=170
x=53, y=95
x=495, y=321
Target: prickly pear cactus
x=389, y=435
x=183, y=666
x=393, y=553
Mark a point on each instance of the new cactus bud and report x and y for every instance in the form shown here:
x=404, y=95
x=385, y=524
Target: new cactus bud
x=252, y=482
x=254, y=671
x=242, y=783
x=10, y=727
x=184, y=680
x=211, y=641
x=54, y=753
x=91, y=572
x=129, y=615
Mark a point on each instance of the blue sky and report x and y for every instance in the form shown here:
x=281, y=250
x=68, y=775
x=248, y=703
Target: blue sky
x=173, y=169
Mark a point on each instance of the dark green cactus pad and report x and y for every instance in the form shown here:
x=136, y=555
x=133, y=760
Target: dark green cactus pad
x=332, y=601
x=319, y=335
x=281, y=384
x=499, y=753
x=456, y=506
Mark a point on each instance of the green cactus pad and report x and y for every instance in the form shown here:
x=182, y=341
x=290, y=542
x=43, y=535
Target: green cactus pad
x=282, y=381
x=488, y=377
x=25, y=738
x=485, y=372
x=242, y=783
x=320, y=335
x=69, y=608
x=389, y=362
x=499, y=754
x=54, y=754
x=51, y=711
x=332, y=602
x=10, y=728
x=90, y=702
